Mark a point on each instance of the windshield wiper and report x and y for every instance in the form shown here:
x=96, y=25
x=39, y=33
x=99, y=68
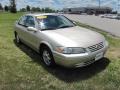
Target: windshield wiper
x=65, y=26
x=57, y=28
x=49, y=29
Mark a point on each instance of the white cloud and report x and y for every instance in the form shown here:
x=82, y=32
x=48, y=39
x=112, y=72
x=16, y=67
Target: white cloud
x=4, y=2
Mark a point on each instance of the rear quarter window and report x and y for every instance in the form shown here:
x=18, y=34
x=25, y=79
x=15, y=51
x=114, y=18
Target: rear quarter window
x=22, y=20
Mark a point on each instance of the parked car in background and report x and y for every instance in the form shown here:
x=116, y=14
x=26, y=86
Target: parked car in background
x=60, y=12
x=83, y=14
x=110, y=16
x=103, y=15
x=59, y=40
x=118, y=16
x=113, y=16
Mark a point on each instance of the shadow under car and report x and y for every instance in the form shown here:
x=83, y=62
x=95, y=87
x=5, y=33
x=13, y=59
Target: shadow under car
x=65, y=74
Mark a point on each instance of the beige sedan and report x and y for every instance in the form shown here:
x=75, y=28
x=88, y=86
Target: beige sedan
x=59, y=40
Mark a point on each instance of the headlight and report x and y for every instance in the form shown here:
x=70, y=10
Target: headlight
x=71, y=50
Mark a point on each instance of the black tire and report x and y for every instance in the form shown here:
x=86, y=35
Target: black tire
x=50, y=62
x=17, y=39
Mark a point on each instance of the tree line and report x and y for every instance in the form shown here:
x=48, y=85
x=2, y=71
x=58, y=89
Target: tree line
x=11, y=7
x=5, y=8
x=26, y=9
x=37, y=9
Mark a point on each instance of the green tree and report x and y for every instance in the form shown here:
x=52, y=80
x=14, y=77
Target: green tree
x=28, y=8
x=42, y=10
x=46, y=10
x=6, y=8
x=13, y=6
x=36, y=9
x=49, y=10
x=33, y=9
x=22, y=10
x=1, y=7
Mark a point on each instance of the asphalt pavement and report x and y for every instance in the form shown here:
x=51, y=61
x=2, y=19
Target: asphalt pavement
x=109, y=25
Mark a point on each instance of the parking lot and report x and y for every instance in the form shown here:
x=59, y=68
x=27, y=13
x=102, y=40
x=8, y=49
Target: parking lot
x=109, y=25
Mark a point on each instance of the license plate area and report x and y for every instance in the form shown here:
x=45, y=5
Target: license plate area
x=99, y=56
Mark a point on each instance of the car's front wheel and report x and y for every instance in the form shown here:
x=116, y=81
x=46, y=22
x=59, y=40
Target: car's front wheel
x=47, y=57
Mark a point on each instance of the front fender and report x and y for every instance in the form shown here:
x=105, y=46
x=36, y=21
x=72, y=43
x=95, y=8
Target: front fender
x=48, y=44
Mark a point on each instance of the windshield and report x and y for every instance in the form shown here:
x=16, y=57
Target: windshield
x=50, y=22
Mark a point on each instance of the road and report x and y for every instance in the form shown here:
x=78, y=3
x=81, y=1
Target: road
x=109, y=25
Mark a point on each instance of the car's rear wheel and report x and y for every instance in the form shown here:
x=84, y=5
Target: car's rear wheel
x=17, y=39
x=47, y=57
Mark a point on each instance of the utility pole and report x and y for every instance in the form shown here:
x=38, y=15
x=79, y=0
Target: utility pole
x=99, y=3
x=118, y=6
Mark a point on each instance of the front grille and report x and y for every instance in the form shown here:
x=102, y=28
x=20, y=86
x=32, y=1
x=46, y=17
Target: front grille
x=96, y=47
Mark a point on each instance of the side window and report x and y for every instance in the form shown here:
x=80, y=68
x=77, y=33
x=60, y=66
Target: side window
x=30, y=21
x=22, y=20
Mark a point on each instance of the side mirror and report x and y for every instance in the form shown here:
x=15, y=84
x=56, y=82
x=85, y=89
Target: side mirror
x=74, y=22
x=32, y=29
x=16, y=21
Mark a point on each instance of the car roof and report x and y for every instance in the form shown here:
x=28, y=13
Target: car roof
x=40, y=14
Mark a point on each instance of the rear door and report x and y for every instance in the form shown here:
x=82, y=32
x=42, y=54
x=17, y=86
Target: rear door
x=21, y=28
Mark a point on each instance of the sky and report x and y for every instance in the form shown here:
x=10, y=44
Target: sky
x=60, y=4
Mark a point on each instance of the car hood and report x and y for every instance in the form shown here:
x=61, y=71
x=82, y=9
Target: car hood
x=74, y=37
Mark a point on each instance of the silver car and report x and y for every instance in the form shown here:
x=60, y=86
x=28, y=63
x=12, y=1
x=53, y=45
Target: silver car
x=59, y=40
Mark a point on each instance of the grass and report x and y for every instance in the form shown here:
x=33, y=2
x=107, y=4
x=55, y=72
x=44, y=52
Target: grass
x=21, y=67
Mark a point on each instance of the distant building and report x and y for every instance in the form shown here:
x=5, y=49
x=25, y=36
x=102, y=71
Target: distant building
x=88, y=10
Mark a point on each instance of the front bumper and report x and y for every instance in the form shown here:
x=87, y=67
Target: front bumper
x=78, y=60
